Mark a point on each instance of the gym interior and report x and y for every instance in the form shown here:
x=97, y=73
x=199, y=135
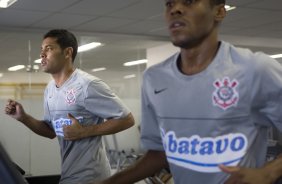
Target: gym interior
x=128, y=30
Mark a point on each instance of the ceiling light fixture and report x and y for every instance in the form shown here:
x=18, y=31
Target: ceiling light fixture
x=6, y=3
x=35, y=67
x=98, y=69
x=88, y=46
x=1, y=74
x=16, y=68
x=81, y=48
x=37, y=61
x=129, y=76
x=137, y=62
x=30, y=68
x=276, y=56
x=228, y=7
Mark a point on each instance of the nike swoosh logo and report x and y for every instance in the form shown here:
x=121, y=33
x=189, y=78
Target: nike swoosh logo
x=159, y=91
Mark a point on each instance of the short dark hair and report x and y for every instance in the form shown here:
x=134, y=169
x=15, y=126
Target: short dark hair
x=64, y=39
x=219, y=1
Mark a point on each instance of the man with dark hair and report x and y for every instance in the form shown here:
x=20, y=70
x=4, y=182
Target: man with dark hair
x=64, y=39
x=206, y=109
x=75, y=107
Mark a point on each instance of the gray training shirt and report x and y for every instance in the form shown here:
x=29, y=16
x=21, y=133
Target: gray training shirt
x=217, y=116
x=90, y=101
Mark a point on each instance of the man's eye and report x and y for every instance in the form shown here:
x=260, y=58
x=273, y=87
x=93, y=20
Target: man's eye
x=168, y=3
x=189, y=1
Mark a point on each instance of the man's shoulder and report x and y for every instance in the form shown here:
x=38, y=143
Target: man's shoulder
x=244, y=51
x=247, y=55
x=165, y=64
x=85, y=77
x=50, y=84
x=257, y=61
x=238, y=51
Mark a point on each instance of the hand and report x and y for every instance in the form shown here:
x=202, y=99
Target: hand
x=74, y=131
x=239, y=175
x=15, y=110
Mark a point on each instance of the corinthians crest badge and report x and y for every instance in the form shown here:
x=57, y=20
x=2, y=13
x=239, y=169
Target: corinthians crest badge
x=225, y=94
x=70, y=97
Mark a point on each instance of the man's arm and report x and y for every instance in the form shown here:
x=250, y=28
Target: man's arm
x=38, y=126
x=149, y=164
x=267, y=174
x=16, y=111
x=111, y=126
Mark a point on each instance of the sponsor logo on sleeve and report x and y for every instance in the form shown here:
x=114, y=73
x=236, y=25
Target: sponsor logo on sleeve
x=204, y=154
x=225, y=94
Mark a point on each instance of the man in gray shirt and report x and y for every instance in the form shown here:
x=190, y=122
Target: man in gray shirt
x=206, y=109
x=75, y=107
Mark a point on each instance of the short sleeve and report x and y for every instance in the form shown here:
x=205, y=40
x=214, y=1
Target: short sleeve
x=46, y=115
x=267, y=91
x=150, y=131
x=103, y=102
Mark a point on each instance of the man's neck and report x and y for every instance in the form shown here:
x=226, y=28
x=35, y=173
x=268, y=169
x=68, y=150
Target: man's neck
x=195, y=60
x=62, y=77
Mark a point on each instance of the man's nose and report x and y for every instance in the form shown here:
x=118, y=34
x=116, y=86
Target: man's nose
x=177, y=8
x=42, y=54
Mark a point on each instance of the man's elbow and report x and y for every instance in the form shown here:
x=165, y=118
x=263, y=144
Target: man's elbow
x=50, y=135
x=129, y=121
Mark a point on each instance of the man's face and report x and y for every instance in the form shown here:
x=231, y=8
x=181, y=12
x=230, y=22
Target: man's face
x=189, y=21
x=52, y=56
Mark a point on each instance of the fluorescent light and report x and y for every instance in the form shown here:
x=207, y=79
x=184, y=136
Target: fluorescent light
x=138, y=62
x=129, y=76
x=81, y=48
x=98, y=69
x=17, y=67
x=1, y=74
x=6, y=3
x=37, y=61
x=228, y=7
x=35, y=67
x=276, y=56
x=88, y=46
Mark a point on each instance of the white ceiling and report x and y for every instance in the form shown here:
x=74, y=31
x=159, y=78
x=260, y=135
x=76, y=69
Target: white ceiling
x=125, y=27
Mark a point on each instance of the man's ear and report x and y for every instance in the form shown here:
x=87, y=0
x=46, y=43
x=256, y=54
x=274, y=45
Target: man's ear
x=220, y=12
x=68, y=52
